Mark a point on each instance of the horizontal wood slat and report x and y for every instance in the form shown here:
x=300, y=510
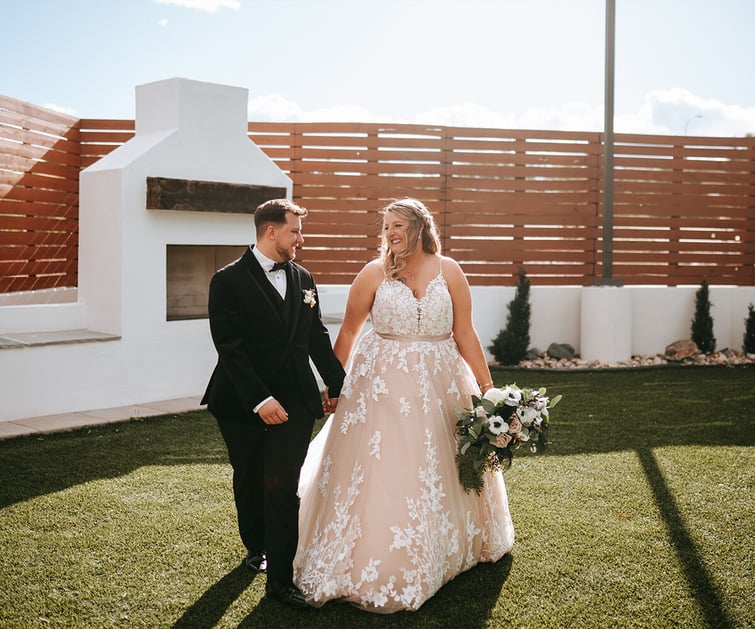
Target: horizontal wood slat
x=684, y=207
x=39, y=194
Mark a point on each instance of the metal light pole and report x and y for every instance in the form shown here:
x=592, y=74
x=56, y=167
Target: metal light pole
x=607, y=276
x=605, y=325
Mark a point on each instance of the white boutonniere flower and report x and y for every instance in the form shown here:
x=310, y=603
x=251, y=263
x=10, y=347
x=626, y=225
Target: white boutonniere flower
x=309, y=297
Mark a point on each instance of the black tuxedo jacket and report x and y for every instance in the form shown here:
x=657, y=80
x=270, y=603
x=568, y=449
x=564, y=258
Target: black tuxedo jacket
x=264, y=343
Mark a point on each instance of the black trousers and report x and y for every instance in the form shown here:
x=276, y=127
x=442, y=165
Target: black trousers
x=266, y=462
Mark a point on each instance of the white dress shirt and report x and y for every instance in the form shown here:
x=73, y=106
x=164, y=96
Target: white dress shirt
x=279, y=281
x=276, y=278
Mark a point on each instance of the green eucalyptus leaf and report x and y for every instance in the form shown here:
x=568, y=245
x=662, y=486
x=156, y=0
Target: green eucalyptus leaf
x=488, y=406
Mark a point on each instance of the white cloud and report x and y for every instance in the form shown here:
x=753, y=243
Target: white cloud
x=571, y=117
x=664, y=112
x=679, y=111
x=69, y=111
x=203, y=5
x=466, y=115
x=276, y=108
x=162, y=22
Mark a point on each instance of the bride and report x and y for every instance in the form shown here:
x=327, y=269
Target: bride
x=384, y=521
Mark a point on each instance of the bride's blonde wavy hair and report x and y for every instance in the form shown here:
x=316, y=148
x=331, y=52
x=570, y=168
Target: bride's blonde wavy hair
x=422, y=232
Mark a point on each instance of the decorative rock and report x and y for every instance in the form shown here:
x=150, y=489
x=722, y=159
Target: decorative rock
x=561, y=351
x=729, y=357
x=679, y=350
x=532, y=353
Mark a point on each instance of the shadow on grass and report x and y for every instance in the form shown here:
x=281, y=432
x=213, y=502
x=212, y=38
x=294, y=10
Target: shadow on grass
x=641, y=410
x=618, y=410
x=214, y=603
x=443, y=610
x=699, y=579
x=36, y=465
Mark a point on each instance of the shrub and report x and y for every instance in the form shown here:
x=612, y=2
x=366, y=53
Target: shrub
x=510, y=346
x=702, y=324
x=748, y=344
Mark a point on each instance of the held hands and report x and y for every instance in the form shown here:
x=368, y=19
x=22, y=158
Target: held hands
x=329, y=403
x=271, y=412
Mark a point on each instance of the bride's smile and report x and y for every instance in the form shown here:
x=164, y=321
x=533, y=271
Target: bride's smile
x=395, y=233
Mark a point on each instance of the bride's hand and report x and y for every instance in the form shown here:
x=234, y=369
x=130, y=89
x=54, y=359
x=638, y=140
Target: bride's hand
x=329, y=404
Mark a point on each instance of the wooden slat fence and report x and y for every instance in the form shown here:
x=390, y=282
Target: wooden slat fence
x=523, y=199
x=684, y=207
x=684, y=210
x=39, y=197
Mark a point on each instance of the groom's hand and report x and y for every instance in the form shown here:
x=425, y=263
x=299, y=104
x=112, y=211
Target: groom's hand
x=329, y=404
x=271, y=412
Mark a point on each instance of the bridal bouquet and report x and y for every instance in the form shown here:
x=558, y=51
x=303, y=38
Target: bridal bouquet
x=502, y=419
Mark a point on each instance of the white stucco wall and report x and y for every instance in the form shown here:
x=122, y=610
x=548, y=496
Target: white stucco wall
x=174, y=359
x=657, y=315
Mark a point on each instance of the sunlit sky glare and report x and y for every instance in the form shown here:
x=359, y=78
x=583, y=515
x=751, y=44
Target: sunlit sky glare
x=682, y=66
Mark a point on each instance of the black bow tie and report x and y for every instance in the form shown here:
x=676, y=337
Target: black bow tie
x=279, y=266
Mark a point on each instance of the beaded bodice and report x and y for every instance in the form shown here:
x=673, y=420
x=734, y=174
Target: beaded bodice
x=396, y=311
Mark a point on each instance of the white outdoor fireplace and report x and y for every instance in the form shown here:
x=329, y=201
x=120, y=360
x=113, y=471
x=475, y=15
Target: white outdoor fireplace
x=132, y=337
x=192, y=137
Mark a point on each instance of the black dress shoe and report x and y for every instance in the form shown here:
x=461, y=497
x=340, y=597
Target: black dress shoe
x=287, y=594
x=256, y=562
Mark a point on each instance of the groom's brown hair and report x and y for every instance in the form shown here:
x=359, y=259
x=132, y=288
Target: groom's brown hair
x=274, y=212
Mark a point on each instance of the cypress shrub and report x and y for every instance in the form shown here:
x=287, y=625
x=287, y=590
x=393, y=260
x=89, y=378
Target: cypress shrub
x=702, y=324
x=748, y=344
x=510, y=346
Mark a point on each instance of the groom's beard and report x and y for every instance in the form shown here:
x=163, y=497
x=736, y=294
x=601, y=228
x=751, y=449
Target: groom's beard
x=286, y=255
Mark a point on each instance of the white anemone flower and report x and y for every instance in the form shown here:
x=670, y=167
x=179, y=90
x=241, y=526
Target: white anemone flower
x=527, y=414
x=496, y=396
x=540, y=402
x=512, y=396
x=497, y=426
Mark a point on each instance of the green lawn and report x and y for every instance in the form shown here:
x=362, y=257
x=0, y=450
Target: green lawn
x=640, y=514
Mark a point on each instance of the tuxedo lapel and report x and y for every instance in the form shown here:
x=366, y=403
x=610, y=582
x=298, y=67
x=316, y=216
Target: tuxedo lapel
x=267, y=290
x=293, y=296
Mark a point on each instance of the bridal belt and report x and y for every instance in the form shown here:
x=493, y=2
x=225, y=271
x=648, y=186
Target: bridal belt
x=413, y=337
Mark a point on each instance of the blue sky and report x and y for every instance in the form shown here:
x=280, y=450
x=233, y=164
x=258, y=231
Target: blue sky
x=681, y=65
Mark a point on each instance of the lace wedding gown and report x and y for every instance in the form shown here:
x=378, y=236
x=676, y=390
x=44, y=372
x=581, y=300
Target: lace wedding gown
x=384, y=521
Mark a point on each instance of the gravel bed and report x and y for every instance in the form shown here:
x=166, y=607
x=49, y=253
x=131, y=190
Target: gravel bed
x=726, y=357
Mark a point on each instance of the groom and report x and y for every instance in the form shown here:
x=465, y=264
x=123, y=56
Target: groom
x=265, y=324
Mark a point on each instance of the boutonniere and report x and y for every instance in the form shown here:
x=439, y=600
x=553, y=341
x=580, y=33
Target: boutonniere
x=309, y=297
